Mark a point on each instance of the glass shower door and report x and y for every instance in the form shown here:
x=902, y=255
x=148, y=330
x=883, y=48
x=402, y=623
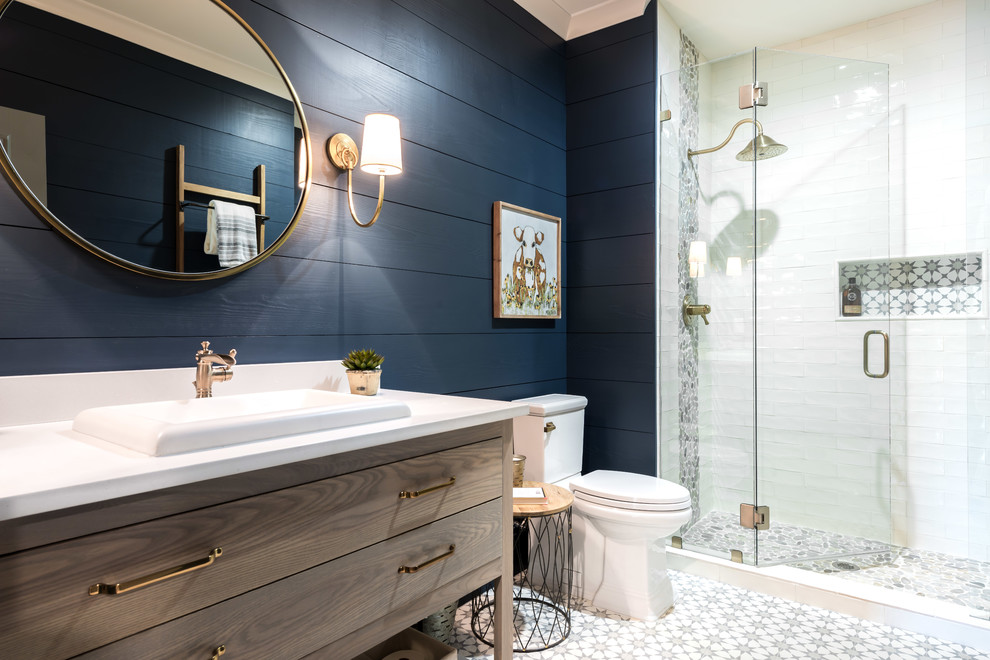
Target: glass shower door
x=822, y=332
x=770, y=404
x=707, y=362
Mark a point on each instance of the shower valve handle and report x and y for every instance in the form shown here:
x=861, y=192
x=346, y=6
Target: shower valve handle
x=688, y=310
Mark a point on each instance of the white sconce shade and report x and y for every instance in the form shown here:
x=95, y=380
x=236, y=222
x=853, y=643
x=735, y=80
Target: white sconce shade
x=381, y=154
x=697, y=258
x=733, y=266
x=381, y=149
x=698, y=253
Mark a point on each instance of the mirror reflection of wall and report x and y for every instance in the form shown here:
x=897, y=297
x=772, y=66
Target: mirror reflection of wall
x=23, y=137
x=114, y=112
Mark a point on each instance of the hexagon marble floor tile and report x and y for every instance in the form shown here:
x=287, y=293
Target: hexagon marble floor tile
x=719, y=621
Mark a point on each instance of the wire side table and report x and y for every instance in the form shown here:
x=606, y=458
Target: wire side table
x=542, y=563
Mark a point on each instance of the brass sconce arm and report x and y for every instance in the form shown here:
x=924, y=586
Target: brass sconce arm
x=343, y=153
x=381, y=139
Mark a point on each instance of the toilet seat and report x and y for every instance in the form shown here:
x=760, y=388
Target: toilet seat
x=630, y=491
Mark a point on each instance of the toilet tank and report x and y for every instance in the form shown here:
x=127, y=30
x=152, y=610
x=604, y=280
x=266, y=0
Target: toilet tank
x=551, y=436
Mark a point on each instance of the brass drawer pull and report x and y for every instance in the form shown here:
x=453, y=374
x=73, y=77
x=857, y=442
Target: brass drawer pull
x=218, y=651
x=124, y=587
x=410, y=494
x=413, y=569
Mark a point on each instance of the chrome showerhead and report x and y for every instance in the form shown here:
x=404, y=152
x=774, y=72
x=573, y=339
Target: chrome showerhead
x=760, y=148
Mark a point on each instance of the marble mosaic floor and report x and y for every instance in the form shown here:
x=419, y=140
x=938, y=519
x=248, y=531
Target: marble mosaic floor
x=720, y=532
x=961, y=581
x=715, y=620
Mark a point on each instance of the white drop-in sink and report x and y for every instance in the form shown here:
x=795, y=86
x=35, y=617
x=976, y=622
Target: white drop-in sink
x=163, y=428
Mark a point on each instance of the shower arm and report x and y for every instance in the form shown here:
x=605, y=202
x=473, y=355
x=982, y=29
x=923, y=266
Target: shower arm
x=759, y=132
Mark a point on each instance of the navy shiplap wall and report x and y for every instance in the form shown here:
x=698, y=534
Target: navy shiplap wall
x=480, y=89
x=611, y=91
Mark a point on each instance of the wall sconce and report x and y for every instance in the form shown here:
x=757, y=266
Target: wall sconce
x=733, y=266
x=381, y=154
x=697, y=258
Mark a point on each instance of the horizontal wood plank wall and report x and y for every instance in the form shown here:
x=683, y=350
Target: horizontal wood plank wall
x=611, y=91
x=479, y=87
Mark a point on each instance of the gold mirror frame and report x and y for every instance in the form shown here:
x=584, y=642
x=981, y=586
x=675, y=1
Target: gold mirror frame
x=42, y=211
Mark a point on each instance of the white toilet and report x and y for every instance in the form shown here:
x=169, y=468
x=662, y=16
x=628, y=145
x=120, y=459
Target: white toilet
x=619, y=518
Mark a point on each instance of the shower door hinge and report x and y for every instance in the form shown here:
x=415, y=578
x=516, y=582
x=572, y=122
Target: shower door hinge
x=750, y=95
x=754, y=517
x=664, y=116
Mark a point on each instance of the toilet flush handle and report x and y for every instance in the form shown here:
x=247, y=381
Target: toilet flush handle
x=550, y=426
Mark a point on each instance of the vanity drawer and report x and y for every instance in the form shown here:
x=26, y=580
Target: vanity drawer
x=307, y=611
x=44, y=599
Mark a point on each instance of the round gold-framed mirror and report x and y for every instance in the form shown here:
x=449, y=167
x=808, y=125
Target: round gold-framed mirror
x=147, y=132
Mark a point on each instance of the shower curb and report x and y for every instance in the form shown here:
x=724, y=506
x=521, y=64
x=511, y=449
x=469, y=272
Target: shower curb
x=894, y=608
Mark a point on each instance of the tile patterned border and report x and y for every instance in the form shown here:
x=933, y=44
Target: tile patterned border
x=712, y=620
x=942, y=286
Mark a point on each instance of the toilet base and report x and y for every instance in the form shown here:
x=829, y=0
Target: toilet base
x=625, y=577
x=635, y=581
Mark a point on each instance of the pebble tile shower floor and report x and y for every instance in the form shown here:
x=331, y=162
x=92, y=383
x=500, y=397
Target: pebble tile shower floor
x=715, y=620
x=957, y=580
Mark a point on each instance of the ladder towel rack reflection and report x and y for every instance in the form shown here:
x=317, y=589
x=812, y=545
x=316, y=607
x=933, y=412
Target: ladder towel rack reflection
x=257, y=200
x=206, y=206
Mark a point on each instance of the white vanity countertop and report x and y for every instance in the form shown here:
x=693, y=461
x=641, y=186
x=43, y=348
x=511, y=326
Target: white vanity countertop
x=48, y=466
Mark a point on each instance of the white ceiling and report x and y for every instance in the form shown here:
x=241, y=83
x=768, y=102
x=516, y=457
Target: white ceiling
x=724, y=27
x=718, y=27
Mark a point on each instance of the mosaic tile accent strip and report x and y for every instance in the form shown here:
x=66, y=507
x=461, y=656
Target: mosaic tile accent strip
x=689, y=442
x=940, y=286
x=720, y=532
x=715, y=620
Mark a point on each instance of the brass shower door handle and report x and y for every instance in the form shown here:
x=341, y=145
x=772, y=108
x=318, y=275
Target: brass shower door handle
x=866, y=353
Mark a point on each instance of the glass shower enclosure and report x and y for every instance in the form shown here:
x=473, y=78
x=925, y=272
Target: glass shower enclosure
x=773, y=304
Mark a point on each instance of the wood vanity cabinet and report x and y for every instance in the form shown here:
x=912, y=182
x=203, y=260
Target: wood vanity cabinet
x=318, y=559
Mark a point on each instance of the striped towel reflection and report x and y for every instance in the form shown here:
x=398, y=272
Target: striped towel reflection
x=231, y=233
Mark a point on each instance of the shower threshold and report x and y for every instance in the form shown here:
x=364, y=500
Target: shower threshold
x=918, y=590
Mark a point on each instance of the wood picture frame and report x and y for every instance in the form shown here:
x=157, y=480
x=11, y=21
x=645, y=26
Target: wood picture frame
x=526, y=263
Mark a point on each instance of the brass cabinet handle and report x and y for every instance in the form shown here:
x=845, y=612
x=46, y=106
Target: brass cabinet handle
x=413, y=569
x=124, y=587
x=410, y=494
x=866, y=354
x=218, y=651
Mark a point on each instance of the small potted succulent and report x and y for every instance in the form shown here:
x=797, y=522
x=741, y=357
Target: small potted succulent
x=364, y=371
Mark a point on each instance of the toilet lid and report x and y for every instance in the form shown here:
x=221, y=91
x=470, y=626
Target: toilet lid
x=626, y=490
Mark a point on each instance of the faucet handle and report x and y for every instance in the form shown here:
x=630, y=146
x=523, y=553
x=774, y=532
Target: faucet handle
x=206, y=347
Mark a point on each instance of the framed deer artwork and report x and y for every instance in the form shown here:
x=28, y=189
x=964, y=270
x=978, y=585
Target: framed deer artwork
x=526, y=256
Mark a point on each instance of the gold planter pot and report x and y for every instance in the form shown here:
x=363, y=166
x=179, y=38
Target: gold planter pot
x=364, y=382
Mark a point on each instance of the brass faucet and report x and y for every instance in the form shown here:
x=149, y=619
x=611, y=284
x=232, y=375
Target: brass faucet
x=212, y=367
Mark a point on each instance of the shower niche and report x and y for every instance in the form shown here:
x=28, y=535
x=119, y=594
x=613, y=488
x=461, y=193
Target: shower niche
x=769, y=405
x=940, y=286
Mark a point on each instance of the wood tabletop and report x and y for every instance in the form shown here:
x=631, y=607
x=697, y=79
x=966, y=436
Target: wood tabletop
x=558, y=499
